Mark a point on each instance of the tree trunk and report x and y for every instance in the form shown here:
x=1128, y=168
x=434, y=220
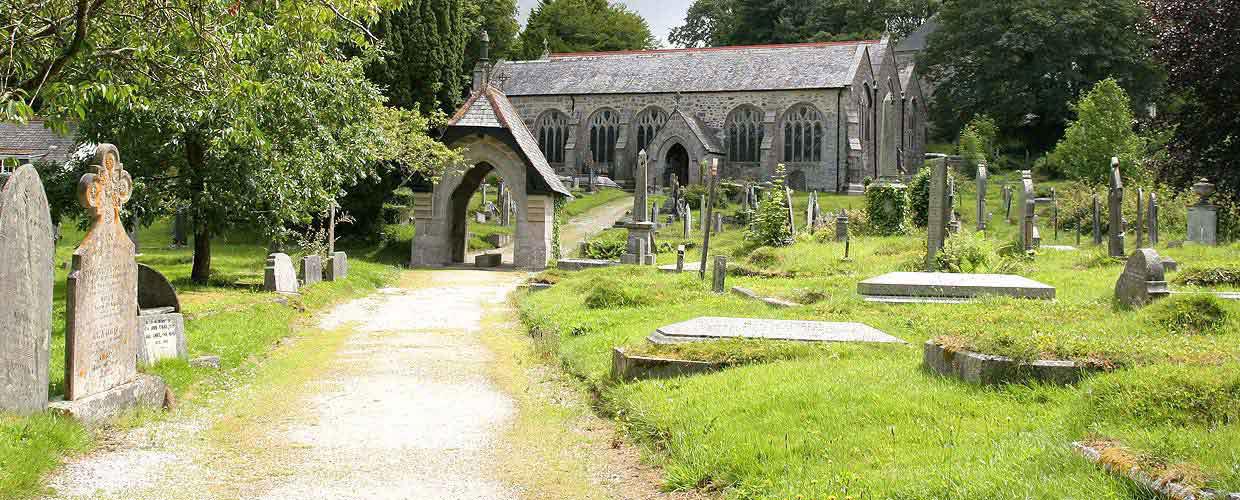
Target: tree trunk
x=195, y=157
x=202, y=255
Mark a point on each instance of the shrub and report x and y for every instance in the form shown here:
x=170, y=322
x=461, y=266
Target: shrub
x=971, y=150
x=919, y=197
x=1168, y=395
x=966, y=253
x=609, y=245
x=1103, y=129
x=887, y=207
x=764, y=257
x=1209, y=276
x=695, y=193
x=609, y=293
x=1190, y=314
x=770, y=223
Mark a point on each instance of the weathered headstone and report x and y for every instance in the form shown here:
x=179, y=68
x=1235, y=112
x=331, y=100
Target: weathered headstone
x=1007, y=203
x=639, y=249
x=841, y=226
x=278, y=275
x=1140, y=242
x=792, y=223
x=1025, y=204
x=1152, y=219
x=155, y=291
x=680, y=258
x=101, y=310
x=311, y=270
x=687, y=221
x=26, y=274
x=161, y=329
x=981, y=197
x=720, y=273
x=1203, y=216
x=1143, y=280
x=337, y=267
x=718, y=223
x=938, y=208
x=1097, y=221
x=1115, y=212
x=1028, y=227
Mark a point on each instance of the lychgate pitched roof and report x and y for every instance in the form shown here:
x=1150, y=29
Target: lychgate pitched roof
x=490, y=109
x=715, y=69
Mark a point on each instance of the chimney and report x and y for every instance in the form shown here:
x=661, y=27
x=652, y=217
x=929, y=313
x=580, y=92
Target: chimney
x=482, y=70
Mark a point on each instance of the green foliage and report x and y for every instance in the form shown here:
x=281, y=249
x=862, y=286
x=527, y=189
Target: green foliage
x=1102, y=130
x=731, y=352
x=764, y=257
x=716, y=23
x=560, y=202
x=1189, y=314
x=1209, y=276
x=887, y=206
x=972, y=150
x=499, y=19
x=919, y=197
x=967, y=253
x=614, y=294
x=1023, y=61
x=426, y=42
x=694, y=194
x=29, y=447
x=769, y=226
x=1169, y=395
x=609, y=245
x=583, y=26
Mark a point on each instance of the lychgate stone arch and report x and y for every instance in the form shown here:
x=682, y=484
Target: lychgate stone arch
x=492, y=138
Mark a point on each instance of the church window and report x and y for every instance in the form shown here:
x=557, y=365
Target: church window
x=744, y=135
x=553, y=135
x=648, y=125
x=803, y=133
x=603, y=129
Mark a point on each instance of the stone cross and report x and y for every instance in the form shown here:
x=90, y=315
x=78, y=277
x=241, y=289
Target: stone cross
x=1203, y=216
x=1140, y=222
x=939, y=208
x=26, y=278
x=981, y=197
x=101, y=313
x=1115, y=212
x=1152, y=219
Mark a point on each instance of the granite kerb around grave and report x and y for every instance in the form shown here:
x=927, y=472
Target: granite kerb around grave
x=628, y=367
x=989, y=369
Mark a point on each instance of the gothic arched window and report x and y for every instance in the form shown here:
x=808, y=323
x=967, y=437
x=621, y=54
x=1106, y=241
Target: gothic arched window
x=603, y=128
x=649, y=123
x=744, y=134
x=553, y=135
x=803, y=132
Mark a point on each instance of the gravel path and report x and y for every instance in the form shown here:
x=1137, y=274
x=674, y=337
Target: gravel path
x=577, y=229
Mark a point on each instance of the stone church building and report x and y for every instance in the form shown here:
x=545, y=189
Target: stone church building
x=835, y=114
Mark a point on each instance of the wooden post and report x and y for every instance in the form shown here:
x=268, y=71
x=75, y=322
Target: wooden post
x=710, y=208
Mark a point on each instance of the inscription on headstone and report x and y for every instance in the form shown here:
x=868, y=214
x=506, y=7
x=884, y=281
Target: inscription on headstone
x=162, y=337
x=101, y=313
x=26, y=274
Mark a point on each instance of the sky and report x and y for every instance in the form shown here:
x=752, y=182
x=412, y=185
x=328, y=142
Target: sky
x=662, y=15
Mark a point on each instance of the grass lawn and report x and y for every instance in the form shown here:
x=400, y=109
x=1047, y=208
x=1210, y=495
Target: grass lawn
x=231, y=317
x=868, y=421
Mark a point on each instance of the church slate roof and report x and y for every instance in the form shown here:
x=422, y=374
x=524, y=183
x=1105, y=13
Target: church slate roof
x=715, y=69
x=490, y=108
x=917, y=40
x=699, y=129
x=34, y=141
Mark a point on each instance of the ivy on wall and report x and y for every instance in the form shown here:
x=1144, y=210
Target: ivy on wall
x=887, y=205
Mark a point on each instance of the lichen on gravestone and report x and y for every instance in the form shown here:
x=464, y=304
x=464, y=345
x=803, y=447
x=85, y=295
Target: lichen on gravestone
x=26, y=275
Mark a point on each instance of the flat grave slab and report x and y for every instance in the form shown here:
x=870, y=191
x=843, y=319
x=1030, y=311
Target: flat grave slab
x=953, y=285
x=689, y=266
x=716, y=328
x=579, y=264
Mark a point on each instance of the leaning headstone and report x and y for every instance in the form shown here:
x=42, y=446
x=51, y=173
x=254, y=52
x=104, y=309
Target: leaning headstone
x=1115, y=212
x=981, y=197
x=720, y=273
x=101, y=310
x=337, y=267
x=939, y=208
x=1203, y=216
x=1143, y=280
x=792, y=223
x=311, y=270
x=161, y=327
x=26, y=275
x=1152, y=219
x=279, y=276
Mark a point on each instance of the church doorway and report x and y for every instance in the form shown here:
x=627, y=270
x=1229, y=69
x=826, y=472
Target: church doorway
x=676, y=163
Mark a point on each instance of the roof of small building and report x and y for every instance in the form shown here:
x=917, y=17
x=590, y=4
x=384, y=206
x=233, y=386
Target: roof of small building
x=708, y=140
x=35, y=141
x=495, y=111
x=713, y=69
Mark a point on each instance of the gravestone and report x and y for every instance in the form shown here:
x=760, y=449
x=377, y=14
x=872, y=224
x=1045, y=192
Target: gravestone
x=483, y=260
x=687, y=221
x=1203, y=216
x=792, y=223
x=910, y=286
x=1115, y=212
x=26, y=274
x=101, y=310
x=161, y=327
x=714, y=328
x=841, y=226
x=1007, y=203
x=311, y=270
x=938, y=208
x=1028, y=227
x=1143, y=280
x=337, y=267
x=811, y=211
x=1140, y=242
x=278, y=275
x=680, y=258
x=1152, y=219
x=718, y=223
x=638, y=249
x=1025, y=204
x=720, y=273
x=981, y=197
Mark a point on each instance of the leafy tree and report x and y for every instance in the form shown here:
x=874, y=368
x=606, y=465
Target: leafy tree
x=971, y=148
x=583, y=26
x=769, y=226
x=1023, y=61
x=1197, y=41
x=745, y=22
x=499, y=19
x=425, y=65
x=1103, y=129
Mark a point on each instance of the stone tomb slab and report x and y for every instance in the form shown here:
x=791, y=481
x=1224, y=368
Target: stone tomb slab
x=953, y=286
x=716, y=328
